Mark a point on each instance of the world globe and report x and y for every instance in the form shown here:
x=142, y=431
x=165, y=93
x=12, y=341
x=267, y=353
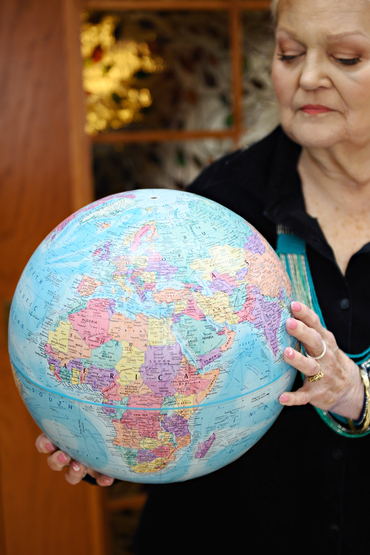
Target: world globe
x=146, y=336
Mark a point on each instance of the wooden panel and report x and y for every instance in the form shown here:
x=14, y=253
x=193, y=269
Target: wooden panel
x=160, y=135
x=79, y=145
x=42, y=182
x=173, y=5
x=236, y=64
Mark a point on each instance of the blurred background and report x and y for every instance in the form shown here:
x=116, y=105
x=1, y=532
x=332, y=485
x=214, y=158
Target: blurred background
x=97, y=97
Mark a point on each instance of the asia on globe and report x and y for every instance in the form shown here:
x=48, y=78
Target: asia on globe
x=146, y=336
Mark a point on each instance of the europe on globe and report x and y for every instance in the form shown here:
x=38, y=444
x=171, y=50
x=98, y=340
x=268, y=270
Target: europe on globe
x=146, y=336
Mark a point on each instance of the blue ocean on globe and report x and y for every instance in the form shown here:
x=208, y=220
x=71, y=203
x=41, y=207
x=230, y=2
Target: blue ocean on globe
x=146, y=336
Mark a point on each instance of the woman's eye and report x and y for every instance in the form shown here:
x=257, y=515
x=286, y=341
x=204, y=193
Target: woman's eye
x=288, y=57
x=348, y=61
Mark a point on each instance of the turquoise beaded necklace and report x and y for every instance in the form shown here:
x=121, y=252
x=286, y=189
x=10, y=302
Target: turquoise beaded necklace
x=292, y=252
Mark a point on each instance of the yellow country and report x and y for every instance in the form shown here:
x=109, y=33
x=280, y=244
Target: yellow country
x=58, y=339
x=75, y=376
x=150, y=443
x=227, y=260
x=148, y=277
x=159, y=332
x=180, y=306
x=152, y=466
x=217, y=307
x=224, y=260
x=129, y=365
x=139, y=261
x=164, y=437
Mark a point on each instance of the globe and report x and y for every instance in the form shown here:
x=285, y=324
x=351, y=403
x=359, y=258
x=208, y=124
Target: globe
x=146, y=336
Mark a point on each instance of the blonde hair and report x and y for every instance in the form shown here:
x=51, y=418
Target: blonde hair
x=274, y=8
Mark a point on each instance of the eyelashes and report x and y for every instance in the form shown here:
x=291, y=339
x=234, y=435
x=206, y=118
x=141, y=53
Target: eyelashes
x=343, y=61
x=348, y=61
x=285, y=58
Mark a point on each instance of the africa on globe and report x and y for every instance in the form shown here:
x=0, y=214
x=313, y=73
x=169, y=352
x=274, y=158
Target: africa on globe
x=146, y=336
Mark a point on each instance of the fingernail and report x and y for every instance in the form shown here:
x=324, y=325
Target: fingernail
x=283, y=399
x=49, y=447
x=289, y=352
x=62, y=458
x=296, y=306
x=76, y=467
x=292, y=324
x=108, y=481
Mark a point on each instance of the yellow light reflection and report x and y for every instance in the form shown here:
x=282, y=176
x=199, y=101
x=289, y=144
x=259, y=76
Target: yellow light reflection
x=114, y=100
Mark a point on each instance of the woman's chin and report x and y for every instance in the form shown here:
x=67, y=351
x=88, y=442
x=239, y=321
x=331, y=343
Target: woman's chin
x=314, y=134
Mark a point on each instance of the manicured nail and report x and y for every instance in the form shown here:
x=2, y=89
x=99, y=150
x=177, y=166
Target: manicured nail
x=49, y=447
x=108, y=481
x=62, y=458
x=76, y=467
x=283, y=398
x=292, y=324
x=289, y=352
x=296, y=306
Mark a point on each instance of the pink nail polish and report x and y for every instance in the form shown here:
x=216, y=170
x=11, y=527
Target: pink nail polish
x=76, y=467
x=292, y=324
x=289, y=352
x=107, y=481
x=62, y=458
x=49, y=447
x=283, y=399
x=296, y=306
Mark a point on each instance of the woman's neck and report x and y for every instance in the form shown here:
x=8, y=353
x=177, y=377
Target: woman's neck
x=339, y=175
x=336, y=191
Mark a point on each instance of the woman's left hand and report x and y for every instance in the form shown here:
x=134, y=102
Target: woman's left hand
x=340, y=390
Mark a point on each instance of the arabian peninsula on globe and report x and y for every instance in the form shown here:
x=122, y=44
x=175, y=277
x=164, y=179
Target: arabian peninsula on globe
x=146, y=336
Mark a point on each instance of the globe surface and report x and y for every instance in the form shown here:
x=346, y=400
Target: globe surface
x=146, y=336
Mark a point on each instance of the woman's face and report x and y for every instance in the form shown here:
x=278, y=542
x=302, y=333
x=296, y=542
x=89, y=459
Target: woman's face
x=321, y=71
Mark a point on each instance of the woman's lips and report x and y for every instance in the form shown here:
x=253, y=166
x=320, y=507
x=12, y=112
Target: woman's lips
x=313, y=109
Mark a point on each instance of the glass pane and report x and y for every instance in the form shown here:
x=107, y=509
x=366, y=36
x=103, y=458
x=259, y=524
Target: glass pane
x=171, y=165
x=149, y=70
x=259, y=104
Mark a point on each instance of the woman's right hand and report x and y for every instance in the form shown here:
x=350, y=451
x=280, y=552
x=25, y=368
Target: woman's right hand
x=58, y=460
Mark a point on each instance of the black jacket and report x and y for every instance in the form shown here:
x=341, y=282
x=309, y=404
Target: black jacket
x=302, y=488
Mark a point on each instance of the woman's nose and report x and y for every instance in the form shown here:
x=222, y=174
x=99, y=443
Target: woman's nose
x=313, y=74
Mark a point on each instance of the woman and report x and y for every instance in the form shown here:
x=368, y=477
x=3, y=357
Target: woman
x=303, y=485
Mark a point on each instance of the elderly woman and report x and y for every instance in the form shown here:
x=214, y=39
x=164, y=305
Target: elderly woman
x=305, y=485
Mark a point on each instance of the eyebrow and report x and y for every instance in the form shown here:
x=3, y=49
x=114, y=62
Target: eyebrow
x=339, y=36
x=331, y=38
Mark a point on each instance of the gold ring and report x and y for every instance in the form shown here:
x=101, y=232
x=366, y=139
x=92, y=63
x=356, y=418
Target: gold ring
x=317, y=376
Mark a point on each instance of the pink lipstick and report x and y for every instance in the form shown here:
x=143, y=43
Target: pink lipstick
x=313, y=109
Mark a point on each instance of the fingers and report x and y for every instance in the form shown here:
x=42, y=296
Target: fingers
x=58, y=460
x=299, y=397
x=75, y=470
x=311, y=338
x=75, y=473
x=308, y=366
x=310, y=319
x=44, y=445
x=101, y=479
